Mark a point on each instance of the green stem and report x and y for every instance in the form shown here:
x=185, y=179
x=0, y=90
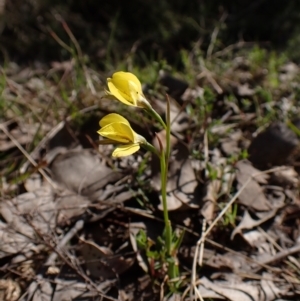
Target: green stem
x=168, y=133
x=149, y=147
x=172, y=267
x=164, y=156
x=156, y=116
x=168, y=229
x=164, y=181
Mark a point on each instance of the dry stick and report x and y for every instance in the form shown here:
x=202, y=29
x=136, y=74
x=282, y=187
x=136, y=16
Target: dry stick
x=51, y=259
x=234, y=199
x=238, y=45
x=261, y=264
x=162, y=285
x=208, y=74
x=52, y=133
x=202, y=239
x=215, y=244
x=193, y=278
x=29, y=158
x=279, y=248
x=206, y=153
x=32, y=288
x=280, y=255
x=69, y=49
x=78, y=226
x=13, y=86
x=132, y=52
x=215, y=35
x=200, y=262
x=269, y=238
x=79, y=52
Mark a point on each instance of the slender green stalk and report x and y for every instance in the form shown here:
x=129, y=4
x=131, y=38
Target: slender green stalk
x=148, y=146
x=168, y=230
x=168, y=132
x=156, y=116
x=165, y=175
x=164, y=156
x=172, y=267
x=164, y=166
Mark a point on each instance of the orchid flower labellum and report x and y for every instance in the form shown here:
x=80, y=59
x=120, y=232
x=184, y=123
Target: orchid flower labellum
x=117, y=130
x=126, y=87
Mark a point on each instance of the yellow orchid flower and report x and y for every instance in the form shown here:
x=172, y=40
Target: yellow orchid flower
x=126, y=87
x=117, y=130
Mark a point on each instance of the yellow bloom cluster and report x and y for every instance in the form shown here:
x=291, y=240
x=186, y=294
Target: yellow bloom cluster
x=125, y=87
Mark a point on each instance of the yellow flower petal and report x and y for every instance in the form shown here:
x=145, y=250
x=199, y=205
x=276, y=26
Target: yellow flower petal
x=116, y=129
x=120, y=132
x=121, y=96
x=112, y=118
x=121, y=80
x=135, y=94
x=126, y=150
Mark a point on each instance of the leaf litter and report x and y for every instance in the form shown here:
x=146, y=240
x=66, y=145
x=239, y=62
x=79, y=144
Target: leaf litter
x=77, y=239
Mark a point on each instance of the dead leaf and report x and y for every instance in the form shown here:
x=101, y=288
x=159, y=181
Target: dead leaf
x=230, y=144
x=65, y=289
x=288, y=72
x=210, y=199
x=38, y=210
x=75, y=290
x=244, y=90
x=12, y=241
x=286, y=177
x=44, y=291
x=180, y=120
x=248, y=222
x=191, y=94
x=101, y=262
x=182, y=182
x=255, y=238
x=23, y=134
x=228, y=291
x=69, y=205
x=9, y=290
x=271, y=291
x=65, y=66
x=228, y=261
x=82, y=172
x=58, y=139
x=218, y=186
x=24, y=215
x=236, y=289
x=33, y=182
x=252, y=195
x=35, y=84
